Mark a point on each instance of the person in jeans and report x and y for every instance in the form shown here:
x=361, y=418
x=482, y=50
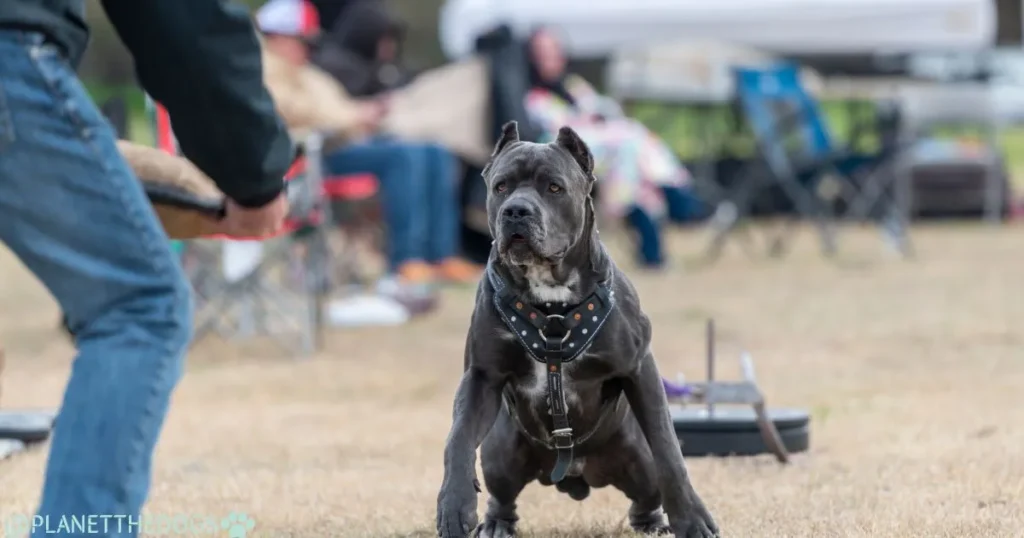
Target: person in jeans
x=418, y=180
x=422, y=177
x=73, y=212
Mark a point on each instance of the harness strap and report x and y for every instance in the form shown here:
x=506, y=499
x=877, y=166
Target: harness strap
x=554, y=339
x=510, y=404
x=562, y=433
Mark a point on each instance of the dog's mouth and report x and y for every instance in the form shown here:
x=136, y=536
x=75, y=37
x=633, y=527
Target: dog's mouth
x=519, y=237
x=521, y=246
x=518, y=247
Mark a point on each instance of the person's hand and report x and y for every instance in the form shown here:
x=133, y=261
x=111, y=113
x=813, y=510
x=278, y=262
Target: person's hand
x=371, y=113
x=384, y=100
x=247, y=222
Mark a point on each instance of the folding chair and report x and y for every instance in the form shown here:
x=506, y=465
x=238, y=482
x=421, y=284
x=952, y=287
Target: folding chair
x=797, y=154
x=276, y=287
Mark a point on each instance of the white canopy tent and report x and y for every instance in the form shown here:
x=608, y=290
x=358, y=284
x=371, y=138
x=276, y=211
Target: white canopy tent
x=686, y=71
x=596, y=28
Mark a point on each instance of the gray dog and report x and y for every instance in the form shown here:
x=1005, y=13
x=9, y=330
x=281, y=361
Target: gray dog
x=559, y=382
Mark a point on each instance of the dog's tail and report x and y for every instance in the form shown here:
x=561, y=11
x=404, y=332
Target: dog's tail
x=575, y=487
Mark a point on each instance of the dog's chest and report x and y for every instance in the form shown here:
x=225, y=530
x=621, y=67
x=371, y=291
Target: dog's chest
x=545, y=288
x=534, y=387
x=579, y=377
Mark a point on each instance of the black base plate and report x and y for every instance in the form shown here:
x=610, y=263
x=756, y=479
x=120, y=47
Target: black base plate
x=26, y=426
x=733, y=431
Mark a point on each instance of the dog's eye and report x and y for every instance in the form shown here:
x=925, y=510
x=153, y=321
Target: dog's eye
x=554, y=188
x=500, y=186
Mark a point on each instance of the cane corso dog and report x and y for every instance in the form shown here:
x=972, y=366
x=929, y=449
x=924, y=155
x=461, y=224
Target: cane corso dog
x=559, y=382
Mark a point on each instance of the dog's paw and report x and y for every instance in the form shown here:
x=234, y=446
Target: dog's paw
x=692, y=519
x=695, y=523
x=496, y=528
x=699, y=529
x=650, y=524
x=456, y=512
x=658, y=529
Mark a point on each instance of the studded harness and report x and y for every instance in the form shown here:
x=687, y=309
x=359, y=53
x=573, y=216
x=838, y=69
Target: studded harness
x=554, y=335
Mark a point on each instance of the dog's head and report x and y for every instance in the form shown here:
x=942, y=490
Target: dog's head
x=539, y=197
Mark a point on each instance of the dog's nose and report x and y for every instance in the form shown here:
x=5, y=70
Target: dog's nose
x=517, y=211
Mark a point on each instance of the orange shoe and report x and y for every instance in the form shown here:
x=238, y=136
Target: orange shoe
x=458, y=271
x=416, y=272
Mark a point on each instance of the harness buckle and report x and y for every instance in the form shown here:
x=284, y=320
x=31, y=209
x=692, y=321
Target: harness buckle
x=550, y=317
x=562, y=438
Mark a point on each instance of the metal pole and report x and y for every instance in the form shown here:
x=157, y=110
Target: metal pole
x=711, y=360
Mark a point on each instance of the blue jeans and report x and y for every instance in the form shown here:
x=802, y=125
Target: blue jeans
x=418, y=192
x=684, y=206
x=648, y=237
x=76, y=216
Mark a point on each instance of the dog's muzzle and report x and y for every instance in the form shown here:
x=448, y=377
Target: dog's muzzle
x=520, y=222
x=518, y=212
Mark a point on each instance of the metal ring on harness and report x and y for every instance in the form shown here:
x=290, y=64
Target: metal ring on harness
x=567, y=332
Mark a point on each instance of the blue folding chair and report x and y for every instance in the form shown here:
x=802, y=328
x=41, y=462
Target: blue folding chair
x=797, y=154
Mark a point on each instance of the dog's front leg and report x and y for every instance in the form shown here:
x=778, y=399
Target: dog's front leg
x=476, y=407
x=686, y=512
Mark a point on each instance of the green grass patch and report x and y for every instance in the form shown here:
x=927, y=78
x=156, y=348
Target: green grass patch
x=693, y=132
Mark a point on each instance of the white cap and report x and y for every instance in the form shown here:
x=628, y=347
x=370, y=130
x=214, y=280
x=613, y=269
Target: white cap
x=297, y=18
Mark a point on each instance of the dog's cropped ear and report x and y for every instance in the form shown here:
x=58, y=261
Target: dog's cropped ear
x=571, y=142
x=509, y=135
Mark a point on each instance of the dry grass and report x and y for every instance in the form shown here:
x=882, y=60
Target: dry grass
x=913, y=370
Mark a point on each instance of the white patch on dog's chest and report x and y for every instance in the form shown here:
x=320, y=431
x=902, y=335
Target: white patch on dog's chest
x=544, y=288
x=536, y=389
x=506, y=335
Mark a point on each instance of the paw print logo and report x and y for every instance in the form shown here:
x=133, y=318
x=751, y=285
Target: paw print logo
x=238, y=525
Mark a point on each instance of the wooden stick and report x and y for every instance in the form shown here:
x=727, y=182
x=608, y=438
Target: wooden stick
x=1, y=373
x=711, y=359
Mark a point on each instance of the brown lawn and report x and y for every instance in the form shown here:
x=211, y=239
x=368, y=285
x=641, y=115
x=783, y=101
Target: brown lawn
x=914, y=373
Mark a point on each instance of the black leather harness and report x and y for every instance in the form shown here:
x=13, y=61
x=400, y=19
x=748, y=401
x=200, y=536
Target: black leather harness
x=554, y=335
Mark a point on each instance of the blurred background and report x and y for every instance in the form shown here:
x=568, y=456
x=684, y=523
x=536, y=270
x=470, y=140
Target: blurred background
x=899, y=123
x=667, y=63
x=107, y=66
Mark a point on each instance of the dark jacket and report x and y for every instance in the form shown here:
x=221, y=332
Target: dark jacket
x=349, y=50
x=201, y=60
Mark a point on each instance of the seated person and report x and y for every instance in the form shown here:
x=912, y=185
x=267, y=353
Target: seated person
x=362, y=51
x=640, y=178
x=418, y=180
